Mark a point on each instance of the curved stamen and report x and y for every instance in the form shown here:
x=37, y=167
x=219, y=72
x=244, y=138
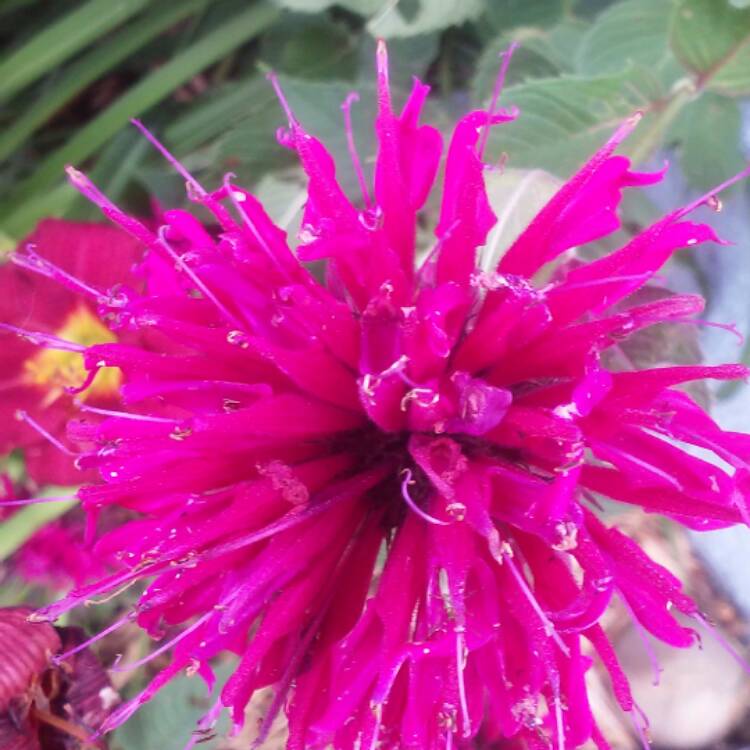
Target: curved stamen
x=460, y=668
x=173, y=161
x=549, y=627
x=59, y=658
x=44, y=339
x=643, y=635
x=24, y=416
x=710, y=197
x=410, y=502
x=87, y=188
x=506, y=55
x=36, y=501
x=728, y=327
x=722, y=641
x=346, y=108
x=87, y=382
x=31, y=261
x=640, y=722
x=123, y=414
x=182, y=265
x=233, y=197
x=274, y=81
x=164, y=647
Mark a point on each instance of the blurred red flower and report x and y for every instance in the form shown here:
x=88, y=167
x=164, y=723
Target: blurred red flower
x=37, y=385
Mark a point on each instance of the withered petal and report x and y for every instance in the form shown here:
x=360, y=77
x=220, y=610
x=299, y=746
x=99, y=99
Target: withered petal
x=26, y=648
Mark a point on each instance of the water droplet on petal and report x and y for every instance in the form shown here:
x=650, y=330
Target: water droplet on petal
x=456, y=510
x=714, y=203
x=371, y=219
x=238, y=338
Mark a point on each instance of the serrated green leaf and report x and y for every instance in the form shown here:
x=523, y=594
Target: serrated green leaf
x=630, y=32
x=708, y=136
x=431, y=15
x=58, y=42
x=93, y=65
x=542, y=53
x=712, y=39
x=564, y=120
x=152, y=89
x=565, y=39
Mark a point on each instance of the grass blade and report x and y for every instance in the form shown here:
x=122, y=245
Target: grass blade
x=20, y=527
x=145, y=94
x=92, y=66
x=61, y=40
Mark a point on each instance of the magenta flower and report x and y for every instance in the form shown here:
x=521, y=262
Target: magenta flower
x=380, y=490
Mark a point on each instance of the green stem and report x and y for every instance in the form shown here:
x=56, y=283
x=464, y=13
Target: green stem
x=20, y=527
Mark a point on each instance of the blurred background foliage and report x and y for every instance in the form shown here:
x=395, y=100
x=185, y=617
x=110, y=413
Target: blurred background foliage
x=74, y=72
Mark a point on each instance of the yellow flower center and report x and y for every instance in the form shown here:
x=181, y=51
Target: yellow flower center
x=55, y=370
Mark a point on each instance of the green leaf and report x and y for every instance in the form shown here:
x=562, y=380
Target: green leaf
x=708, y=134
x=21, y=526
x=542, y=53
x=58, y=42
x=310, y=48
x=430, y=15
x=141, y=97
x=634, y=31
x=406, y=58
x=362, y=7
x=169, y=718
x=282, y=199
x=712, y=39
x=508, y=14
x=213, y=115
x=92, y=66
x=11, y=6
x=562, y=121
x=565, y=40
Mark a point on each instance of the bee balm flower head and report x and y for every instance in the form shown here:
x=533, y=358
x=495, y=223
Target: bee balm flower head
x=379, y=490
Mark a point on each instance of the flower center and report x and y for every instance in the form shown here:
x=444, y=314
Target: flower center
x=55, y=370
